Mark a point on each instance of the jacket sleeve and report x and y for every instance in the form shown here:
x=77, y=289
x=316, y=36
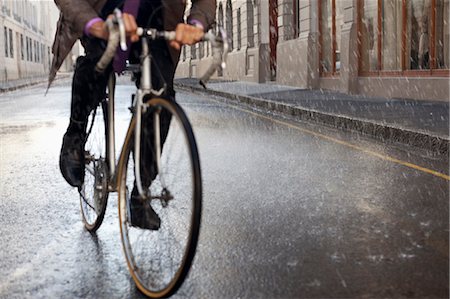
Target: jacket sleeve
x=203, y=11
x=76, y=13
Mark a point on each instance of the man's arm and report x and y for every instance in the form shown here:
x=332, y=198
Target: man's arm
x=203, y=12
x=200, y=20
x=77, y=13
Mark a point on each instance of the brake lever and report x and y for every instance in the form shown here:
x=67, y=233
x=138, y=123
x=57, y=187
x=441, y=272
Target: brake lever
x=220, y=47
x=123, y=37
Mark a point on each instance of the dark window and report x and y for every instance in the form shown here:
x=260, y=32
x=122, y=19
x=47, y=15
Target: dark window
x=22, y=55
x=28, y=48
x=239, y=37
x=6, y=41
x=48, y=53
x=250, y=24
x=229, y=23
x=193, y=52
x=11, y=44
x=296, y=15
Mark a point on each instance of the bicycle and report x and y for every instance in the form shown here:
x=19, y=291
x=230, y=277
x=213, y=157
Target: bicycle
x=158, y=261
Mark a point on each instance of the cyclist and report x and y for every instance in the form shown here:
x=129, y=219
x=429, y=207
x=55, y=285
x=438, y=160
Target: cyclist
x=84, y=20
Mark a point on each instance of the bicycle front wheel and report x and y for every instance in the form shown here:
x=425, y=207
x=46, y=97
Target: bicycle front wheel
x=159, y=260
x=94, y=191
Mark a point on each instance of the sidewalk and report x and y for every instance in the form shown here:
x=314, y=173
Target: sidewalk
x=22, y=83
x=423, y=124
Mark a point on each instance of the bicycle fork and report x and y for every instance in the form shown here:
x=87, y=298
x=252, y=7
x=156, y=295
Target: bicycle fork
x=144, y=90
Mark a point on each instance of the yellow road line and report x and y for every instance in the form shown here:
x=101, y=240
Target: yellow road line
x=367, y=151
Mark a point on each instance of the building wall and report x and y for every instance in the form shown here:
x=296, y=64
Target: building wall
x=308, y=58
x=25, y=49
x=305, y=71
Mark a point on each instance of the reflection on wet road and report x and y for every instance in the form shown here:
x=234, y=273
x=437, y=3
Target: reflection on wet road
x=291, y=210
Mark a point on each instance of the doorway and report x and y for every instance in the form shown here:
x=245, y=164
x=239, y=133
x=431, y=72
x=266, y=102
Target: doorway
x=273, y=34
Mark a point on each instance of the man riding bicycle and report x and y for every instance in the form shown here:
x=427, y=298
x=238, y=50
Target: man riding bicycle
x=84, y=20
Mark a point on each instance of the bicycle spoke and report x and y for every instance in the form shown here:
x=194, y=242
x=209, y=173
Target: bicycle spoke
x=93, y=196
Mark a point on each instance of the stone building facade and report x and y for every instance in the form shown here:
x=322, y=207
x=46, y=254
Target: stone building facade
x=27, y=29
x=388, y=48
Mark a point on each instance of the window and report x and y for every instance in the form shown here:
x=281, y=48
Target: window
x=442, y=34
x=418, y=28
x=22, y=54
x=369, y=37
x=229, y=23
x=239, y=36
x=6, y=41
x=296, y=17
x=193, y=52
x=48, y=56
x=331, y=20
x=42, y=53
x=250, y=25
x=11, y=44
x=38, y=52
x=399, y=36
x=220, y=21
x=26, y=48
x=391, y=34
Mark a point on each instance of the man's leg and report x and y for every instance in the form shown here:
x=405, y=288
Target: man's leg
x=163, y=70
x=88, y=88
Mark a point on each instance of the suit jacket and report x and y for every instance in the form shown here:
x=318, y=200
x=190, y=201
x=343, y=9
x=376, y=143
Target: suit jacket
x=76, y=13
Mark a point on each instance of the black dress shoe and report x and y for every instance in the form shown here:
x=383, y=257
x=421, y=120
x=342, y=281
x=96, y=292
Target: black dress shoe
x=143, y=215
x=71, y=159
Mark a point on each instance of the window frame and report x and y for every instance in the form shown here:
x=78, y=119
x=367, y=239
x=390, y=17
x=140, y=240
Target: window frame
x=22, y=55
x=5, y=30
x=432, y=71
x=11, y=43
x=334, y=72
x=296, y=17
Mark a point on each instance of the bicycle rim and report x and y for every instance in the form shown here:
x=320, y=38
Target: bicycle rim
x=94, y=192
x=160, y=260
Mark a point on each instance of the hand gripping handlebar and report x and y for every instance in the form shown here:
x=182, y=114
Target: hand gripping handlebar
x=116, y=28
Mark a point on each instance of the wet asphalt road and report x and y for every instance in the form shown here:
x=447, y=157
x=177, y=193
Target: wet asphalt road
x=288, y=212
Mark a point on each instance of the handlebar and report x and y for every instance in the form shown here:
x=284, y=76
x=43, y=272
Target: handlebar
x=116, y=28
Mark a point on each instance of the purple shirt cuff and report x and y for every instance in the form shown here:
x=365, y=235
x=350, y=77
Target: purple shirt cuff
x=196, y=23
x=89, y=25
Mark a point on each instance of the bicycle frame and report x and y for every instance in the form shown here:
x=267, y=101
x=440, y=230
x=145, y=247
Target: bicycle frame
x=145, y=89
x=220, y=50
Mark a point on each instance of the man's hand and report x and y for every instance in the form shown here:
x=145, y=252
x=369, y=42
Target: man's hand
x=100, y=30
x=186, y=35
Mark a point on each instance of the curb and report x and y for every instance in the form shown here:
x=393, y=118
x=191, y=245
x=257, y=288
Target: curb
x=378, y=130
x=31, y=83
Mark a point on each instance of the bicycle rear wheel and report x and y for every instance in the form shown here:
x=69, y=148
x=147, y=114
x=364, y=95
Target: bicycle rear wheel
x=160, y=260
x=94, y=192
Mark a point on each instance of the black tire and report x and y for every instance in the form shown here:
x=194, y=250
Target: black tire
x=151, y=254
x=94, y=192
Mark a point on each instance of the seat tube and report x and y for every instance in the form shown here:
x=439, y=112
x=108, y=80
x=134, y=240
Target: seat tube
x=111, y=146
